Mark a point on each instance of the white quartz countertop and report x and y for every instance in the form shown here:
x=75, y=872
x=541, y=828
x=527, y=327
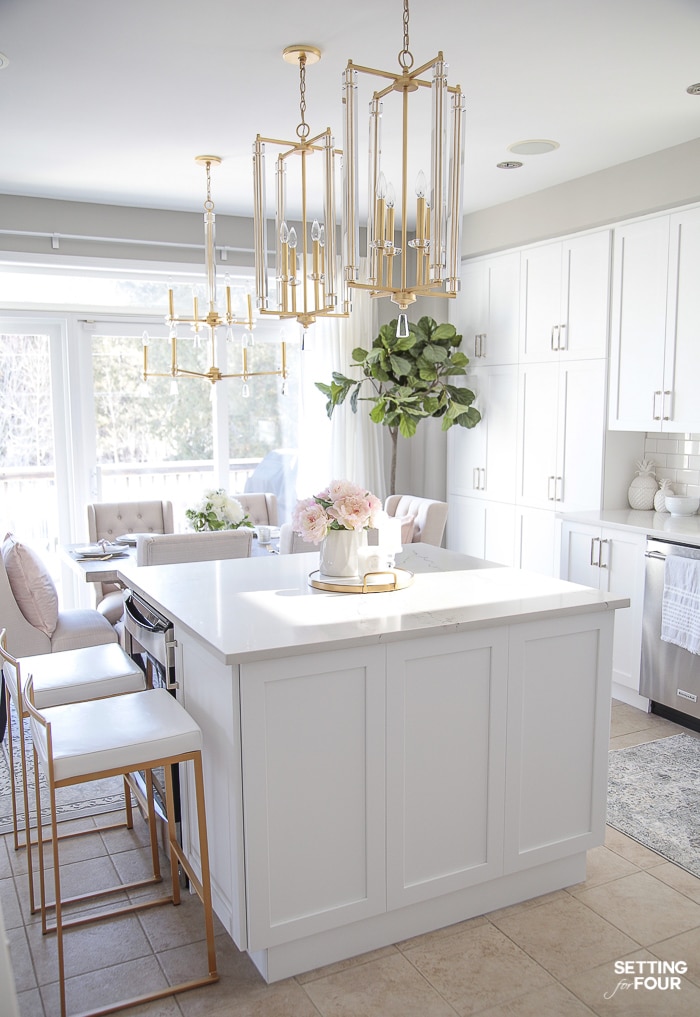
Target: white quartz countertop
x=255, y=608
x=684, y=529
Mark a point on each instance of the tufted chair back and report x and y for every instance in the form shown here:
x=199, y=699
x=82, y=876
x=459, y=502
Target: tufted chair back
x=109, y=520
x=260, y=508
x=428, y=516
x=169, y=548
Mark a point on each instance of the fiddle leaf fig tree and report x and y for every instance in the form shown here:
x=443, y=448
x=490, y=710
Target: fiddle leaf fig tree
x=406, y=380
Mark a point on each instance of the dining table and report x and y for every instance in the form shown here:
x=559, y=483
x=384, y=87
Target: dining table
x=98, y=562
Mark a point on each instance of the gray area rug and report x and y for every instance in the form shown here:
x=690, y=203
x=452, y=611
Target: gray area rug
x=654, y=797
x=71, y=802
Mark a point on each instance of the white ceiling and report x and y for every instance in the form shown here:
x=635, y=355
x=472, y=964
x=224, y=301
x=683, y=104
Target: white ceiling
x=110, y=101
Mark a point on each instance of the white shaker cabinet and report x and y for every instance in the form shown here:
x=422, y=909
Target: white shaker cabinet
x=564, y=299
x=482, y=529
x=655, y=353
x=485, y=310
x=446, y=717
x=313, y=750
x=561, y=426
x=481, y=461
x=611, y=560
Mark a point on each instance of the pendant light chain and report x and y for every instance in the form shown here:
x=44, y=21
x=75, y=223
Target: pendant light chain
x=405, y=56
x=303, y=128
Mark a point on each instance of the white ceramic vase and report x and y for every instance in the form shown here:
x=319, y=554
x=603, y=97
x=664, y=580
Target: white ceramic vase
x=339, y=553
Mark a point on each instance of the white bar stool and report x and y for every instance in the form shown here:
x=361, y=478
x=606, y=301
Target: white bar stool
x=87, y=741
x=68, y=676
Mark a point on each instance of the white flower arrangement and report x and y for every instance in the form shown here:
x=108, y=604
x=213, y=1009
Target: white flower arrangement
x=341, y=506
x=217, y=511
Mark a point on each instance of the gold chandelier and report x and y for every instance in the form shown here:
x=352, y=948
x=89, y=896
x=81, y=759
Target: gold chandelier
x=310, y=281
x=212, y=319
x=428, y=264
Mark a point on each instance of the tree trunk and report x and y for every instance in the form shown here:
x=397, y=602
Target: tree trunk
x=394, y=432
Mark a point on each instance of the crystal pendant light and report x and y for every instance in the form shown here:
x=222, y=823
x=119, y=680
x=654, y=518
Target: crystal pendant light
x=309, y=276
x=427, y=264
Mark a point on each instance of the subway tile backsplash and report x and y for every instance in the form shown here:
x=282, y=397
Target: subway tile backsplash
x=677, y=458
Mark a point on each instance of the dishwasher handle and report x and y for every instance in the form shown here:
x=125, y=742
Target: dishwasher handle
x=655, y=554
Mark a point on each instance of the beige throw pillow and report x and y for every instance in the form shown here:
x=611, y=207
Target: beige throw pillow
x=32, y=586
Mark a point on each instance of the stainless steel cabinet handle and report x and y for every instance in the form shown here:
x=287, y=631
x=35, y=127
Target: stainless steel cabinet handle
x=558, y=492
x=170, y=663
x=550, y=496
x=601, y=563
x=654, y=414
x=554, y=344
x=482, y=471
x=561, y=345
x=668, y=393
x=475, y=478
x=482, y=345
x=594, y=541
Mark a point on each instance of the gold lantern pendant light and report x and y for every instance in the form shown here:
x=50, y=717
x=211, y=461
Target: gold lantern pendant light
x=428, y=264
x=310, y=281
x=212, y=319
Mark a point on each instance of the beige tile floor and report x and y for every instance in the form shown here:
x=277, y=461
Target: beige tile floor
x=549, y=957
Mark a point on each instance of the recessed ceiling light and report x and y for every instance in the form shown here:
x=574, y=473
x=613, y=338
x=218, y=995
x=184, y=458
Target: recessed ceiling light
x=693, y=89
x=508, y=165
x=4, y=61
x=535, y=146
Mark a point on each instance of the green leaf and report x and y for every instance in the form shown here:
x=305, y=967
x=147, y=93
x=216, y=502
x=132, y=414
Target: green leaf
x=359, y=355
x=407, y=426
x=444, y=331
x=400, y=365
x=377, y=412
x=459, y=360
x=326, y=389
x=434, y=354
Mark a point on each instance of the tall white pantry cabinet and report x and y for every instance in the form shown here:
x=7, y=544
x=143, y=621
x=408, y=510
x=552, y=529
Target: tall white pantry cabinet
x=535, y=325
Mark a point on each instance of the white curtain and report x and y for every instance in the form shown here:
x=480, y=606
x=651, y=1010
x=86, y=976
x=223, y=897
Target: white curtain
x=349, y=446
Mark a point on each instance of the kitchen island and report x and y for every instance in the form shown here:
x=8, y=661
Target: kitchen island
x=380, y=765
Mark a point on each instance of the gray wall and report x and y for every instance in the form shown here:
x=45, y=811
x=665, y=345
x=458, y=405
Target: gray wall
x=662, y=180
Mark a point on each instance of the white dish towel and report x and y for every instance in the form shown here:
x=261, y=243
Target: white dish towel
x=680, y=609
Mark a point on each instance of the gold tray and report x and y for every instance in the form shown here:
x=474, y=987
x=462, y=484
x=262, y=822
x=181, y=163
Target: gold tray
x=400, y=579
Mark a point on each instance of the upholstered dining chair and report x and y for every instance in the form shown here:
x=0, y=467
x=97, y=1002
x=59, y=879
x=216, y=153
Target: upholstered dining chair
x=109, y=520
x=422, y=519
x=260, y=508
x=292, y=543
x=210, y=545
x=30, y=612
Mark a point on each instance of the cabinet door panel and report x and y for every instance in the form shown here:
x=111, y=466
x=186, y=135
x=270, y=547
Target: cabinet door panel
x=537, y=435
x=682, y=367
x=640, y=270
x=466, y=525
x=469, y=313
x=585, y=304
x=313, y=746
x=623, y=556
x=558, y=718
x=540, y=301
x=580, y=554
x=446, y=719
x=466, y=449
x=501, y=344
x=580, y=435
x=535, y=541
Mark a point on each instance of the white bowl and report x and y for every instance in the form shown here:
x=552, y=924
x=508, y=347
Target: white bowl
x=682, y=505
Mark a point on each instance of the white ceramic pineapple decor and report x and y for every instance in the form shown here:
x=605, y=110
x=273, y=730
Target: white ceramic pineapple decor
x=644, y=486
x=660, y=496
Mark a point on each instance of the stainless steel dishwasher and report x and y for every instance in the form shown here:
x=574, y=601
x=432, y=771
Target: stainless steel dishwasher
x=670, y=675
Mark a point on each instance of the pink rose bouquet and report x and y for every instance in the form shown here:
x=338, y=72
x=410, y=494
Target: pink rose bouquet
x=341, y=506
